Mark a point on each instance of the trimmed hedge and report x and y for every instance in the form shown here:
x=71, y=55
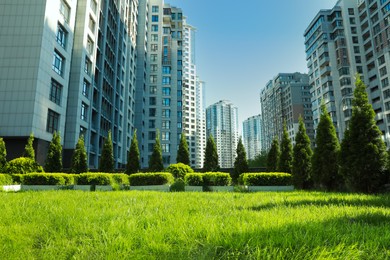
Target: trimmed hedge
x=23, y=165
x=47, y=179
x=179, y=170
x=95, y=179
x=6, y=179
x=217, y=179
x=120, y=178
x=153, y=178
x=267, y=179
x=194, y=179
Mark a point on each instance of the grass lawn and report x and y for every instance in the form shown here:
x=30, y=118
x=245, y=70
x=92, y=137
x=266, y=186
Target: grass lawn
x=152, y=225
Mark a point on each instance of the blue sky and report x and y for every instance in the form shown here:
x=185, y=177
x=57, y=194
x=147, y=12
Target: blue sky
x=241, y=45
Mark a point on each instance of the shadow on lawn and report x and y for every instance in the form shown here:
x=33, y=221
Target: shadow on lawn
x=380, y=201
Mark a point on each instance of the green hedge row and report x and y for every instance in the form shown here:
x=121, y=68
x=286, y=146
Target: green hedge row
x=194, y=179
x=216, y=179
x=153, y=178
x=6, y=179
x=266, y=179
x=179, y=170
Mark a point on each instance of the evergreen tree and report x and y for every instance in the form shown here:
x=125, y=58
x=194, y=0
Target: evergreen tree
x=273, y=156
x=325, y=158
x=54, y=155
x=79, y=159
x=155, y=161
x=3, y=155
x=286, y=158
x=363, y=152
x=183, y=154
x=302, y=154
x=240, y=163
x=211, y=163
x=260, y=160
x=29, y=149
x=133, y=164
x=106, y=163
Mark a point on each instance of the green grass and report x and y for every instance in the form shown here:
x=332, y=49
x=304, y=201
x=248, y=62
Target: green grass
x=152, y=225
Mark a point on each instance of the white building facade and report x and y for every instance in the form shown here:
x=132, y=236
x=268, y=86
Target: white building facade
x=251, y=135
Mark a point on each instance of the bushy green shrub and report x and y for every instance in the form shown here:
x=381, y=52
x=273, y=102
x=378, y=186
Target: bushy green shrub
x=179, y=170
x=47, y=179
x=17, y=178
x=23, y=165
x=5, y=179
x=120, y=178
x=194, y=179
x=153, y=178
x=178, y=185
x=267, y=179
x=217, y=179
x=95, y=179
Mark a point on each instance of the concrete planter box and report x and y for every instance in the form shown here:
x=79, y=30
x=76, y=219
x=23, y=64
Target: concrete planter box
x=151, y=187
x=44, y=187
x=103, y=188
x=12, y=187
x=220, y=188
x=82, y=187
x=270, y=188
x=193, y=188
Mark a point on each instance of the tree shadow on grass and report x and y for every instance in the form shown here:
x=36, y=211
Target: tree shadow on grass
x=383, y=202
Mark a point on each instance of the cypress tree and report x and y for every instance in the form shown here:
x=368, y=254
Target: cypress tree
x=302, y=154
x=133, y=164
x=183, y=154
x=325, y=158
x=3, y=155
x=363, y=152
x=54, y=155
x=273, y=156
x=29, y=149
x=286, y=158
x=240, y=163
x=79, y=159
x=211, y=163
x=107, y=163
x=155, y=161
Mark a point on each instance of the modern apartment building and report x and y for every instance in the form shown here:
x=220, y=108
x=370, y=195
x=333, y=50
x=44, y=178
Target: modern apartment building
x=159, y=79
x=222, y=124
x=284, y=99
x=200, y=123
x=252, y=134
x=74, y=74
x=350, y=38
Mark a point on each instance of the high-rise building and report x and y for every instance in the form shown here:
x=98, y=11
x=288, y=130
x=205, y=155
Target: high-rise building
x=222, y=124
x=200, y=123
x=284, y=99
x=350, y=38
x=66, y=76
x=252, y=133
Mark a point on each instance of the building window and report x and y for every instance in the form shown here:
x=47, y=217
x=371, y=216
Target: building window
x=58, y=62
x=154, y=37
x=65, y=11
x=152, y=101
x=86, y=87
x=166, y=30
x=83, y=132
x=153, y=90
x=153, y=67
x=92, y=24
x=90, y=46
x=165, y=148
x=152, y=112
x=166, y=102
x=61, y=35
x=52, y=121
x=166, y=80
x=154, y=47
x=87, y=66
x=166, y=91
x=55, y=92
x=165, y=136
x=84, y=111
x=154, y=28
x=166, y=113
x=154, y=18
x=166, y=70
x=179, y=53
x=93, y=6
x=153, y=57
x=166, y=125
x=152, y=123
x=155, y=9
x=153, y=78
